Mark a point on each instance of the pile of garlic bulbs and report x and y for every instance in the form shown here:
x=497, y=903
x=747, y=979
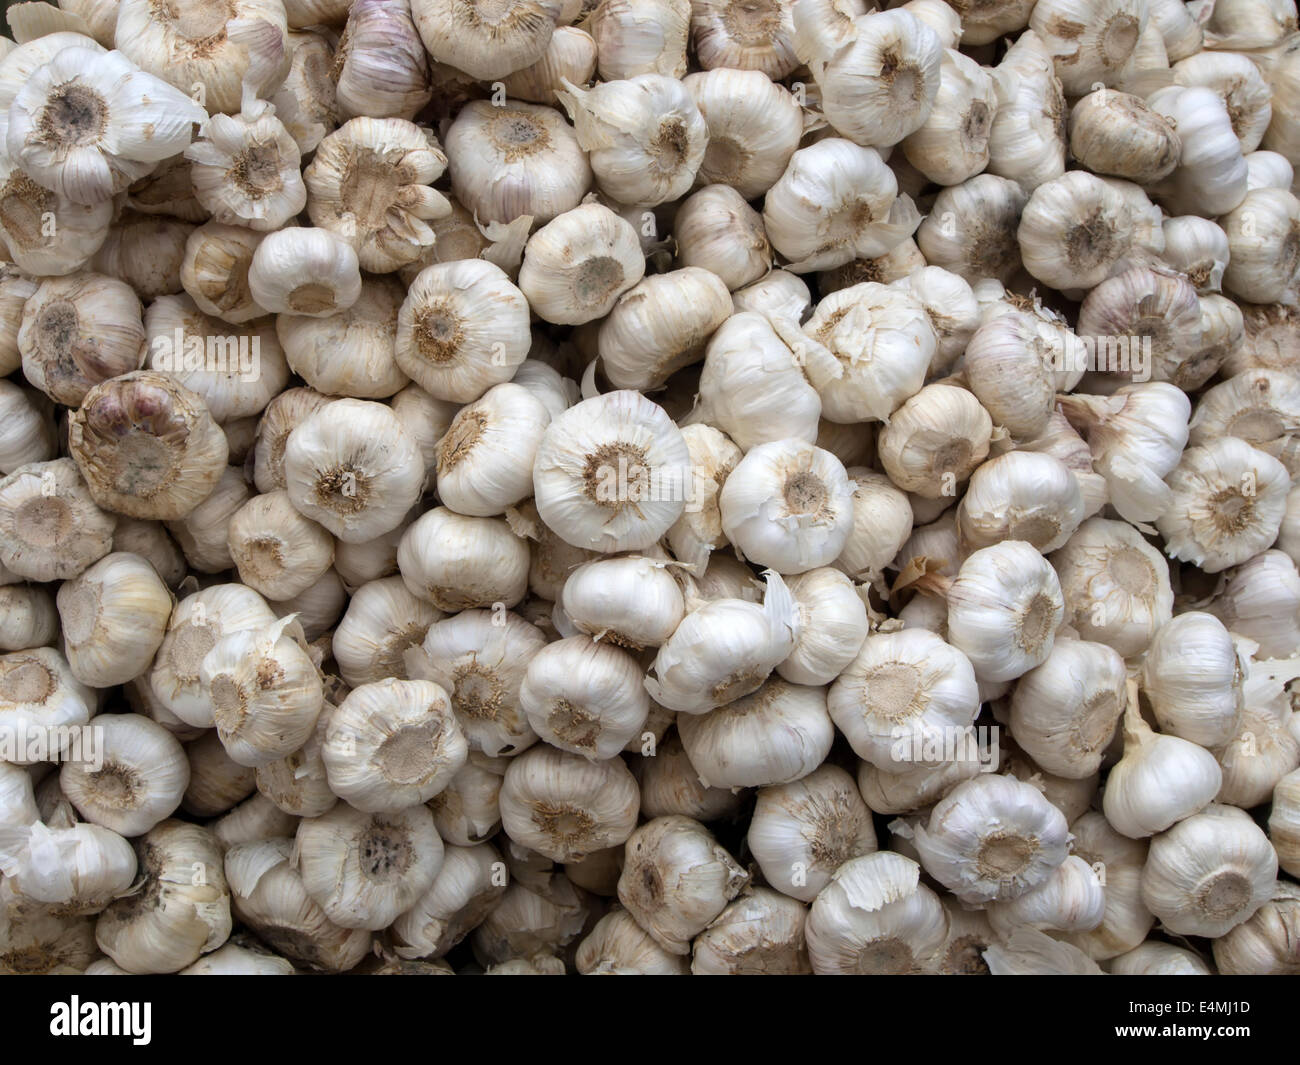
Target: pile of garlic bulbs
x=650, y=486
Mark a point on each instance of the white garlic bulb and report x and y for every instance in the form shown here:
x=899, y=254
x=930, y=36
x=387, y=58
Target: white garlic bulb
x=834, y=626
x=952, y=143
x=1158, y=959
x=1210, y=178
x=382, y=621
x=485, y=41
x=759, y=934
x=457, y=562
x=1071, y=899
x=81, y=868
x=1284, y=821
x=1116, y=133
x=935, y=440
x=1264, y=944
x=1197, y=247
x=631, y=601
x=1264, y=749
x=1209, y=873
x=1022, y=495
x=1192, y=676
x=298, y=784
x=470, y=882
x=1008, y=368
x=698, y=532
x=618, y=945
x=1119, y=859
x=577, y=265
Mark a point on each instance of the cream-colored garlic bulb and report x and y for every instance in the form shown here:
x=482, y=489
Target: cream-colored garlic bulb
x=245, y=171
x=1259, y=406
x=380, y=68
x=1260, y=599
x=1136, y=436
x=753, y=386
x=364, y=869
x=1228, y=502
x=277, y=551
x=716, y=230
x=467, y=810
x=611, y=473
x=835, y=623
x=935, y=440
x=741, y=36
x=952, y=143
x=253, y=819
x=1236, y=79
x=514, y=161
x=969, y=935
x=246, y=958
x=267, y=894
x=1284, y=821
x=17, y=802
x=584, y=697
x=1004, y=608
x=15, y=289
x=113, y=617
x=1076, y=227
x=304, y=270
x=1209, y=873
x=836, y=201
x=1116, y=133
x=789, y=506
x=483, y=40
x=676, y=880
x=1197, y=247
x=1160, y=781
x=1263, y=945
x=758, y=934
x=1116, y=585
x=79, y=230
x=392, y=744
x=80, y=868
x=1060, y=441
x=803, y=831
x=576, y=266
x=265, y=691
x=147, y=413
x=1118, y=860
x=1268, y=170
x=282, y=415
x=1021, y=495
x=197, y=622
x=903, y=697
x=353, y=469
x=1071, y=899
x=875, y=917
x=1210, y=178
x=202, y=534
x=1008, y=365
x=660, y=325
x=134, y=781
x=951, y=307
x=368, y=183
x=50, y=527
x=970, y=228
x=1192, y=677
x=189, y=912
x=698, y=531
x=564, y=806
x=383, y=620
x=570, y=54
x=456, y=562
x=1027, y=137
x=1158, y=959
x=632, y=602
x=640, y=38
x=469, y=884
x=992, y=837
x=298, y=784
x=754, y=128
x=644, y=135
x=1090, y=42
x=28, y=617
x=777, y=734
x=307, y=102
x=1264, y=262
x=462, y=329
x=617, y=945
x=1064, y=712
x=485, y=459
x=217, y=783
x=724, y=649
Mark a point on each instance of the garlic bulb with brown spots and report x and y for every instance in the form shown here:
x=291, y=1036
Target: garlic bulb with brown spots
x=246, y=171
x=307, y=101
x=803, y=831
x=147, y=446
x=214, y=271
x=1116, y=133
x=135, y=780
x=457, y=562
x=32, y=213
x=564, y=806
x=50, y=527
x=364, y=869
x=875, y=917
x=970, y=228
x=114, y=616
x=759, y=934
x=1089, y=42
x=1116, y=585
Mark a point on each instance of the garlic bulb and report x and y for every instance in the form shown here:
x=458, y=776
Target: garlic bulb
x=647, y=38
x=617, y=945
x=352, y=468
x=1027, y=137
x=306, y=271
x=1160, y=781
x=951, y=307
x=1210, y=178
x=992, y=837
x=836, y=201
x=1264, y=749
x=1022, y=495
x=1228, y=502
x=660, y=325
x=147, y=446
x=277, y=551
x=584, y=697
x=1263, y=945
x=1119, y=860
x=364, y=869
x=834, y=626
x=1268, y=170
x=465, y=890
x=1258, y=406
x=266, y=693
x=1071, y=899
x=50, y=527
x=1116, y=133
x=970, y=228
x=1264, y=263
x=1008, y=368
x=253, y=819
x=307, y=102
x=777, y=734
x=903, y=698
x=1136, y=436
x=81, y=868
x=202, y=534
x=457, y=562
x=677, y=880
x=514, y=161
x=381, y=69
x=189, y=903
x=197, y=622
x=610, y=473
x=27, y=617
x=382, y=621
x=1284, y=821
x=644, y=135
x=802, y=832
x=245, y=171
x=484, y=40
x=952, y=143
x=485, y=458
x=217, y=783
x=1239, y=83
x=875, y=917
x=1116, y=585
x=1209, y=873
x=698, y=532
x=724, y=649
x=718, y=231
x=1198, y=248
x=631, y=601
x=114, y=616
x=78, y=230
x=759, y=934
x=298, y=784
x=576, y=266
x=753, y=386
x=1192, y=677
x=1159, y=959
x=267, y=894
x=28, y=434
x=1004, y=608
x=1260, y=600
x=462, y=329
x=565, y=807
x=570, y=54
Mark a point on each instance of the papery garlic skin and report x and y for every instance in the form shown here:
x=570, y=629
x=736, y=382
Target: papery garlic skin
x=50, y=526
x=1126, y=921
x=457, y=562
x=484, y=41
x=1116, y=133
x=81, y=868
x=618, y=945
x=835, y=623
x=1192, y=677
x=631, y=602
x=1021, y=495
x=1072, y=899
